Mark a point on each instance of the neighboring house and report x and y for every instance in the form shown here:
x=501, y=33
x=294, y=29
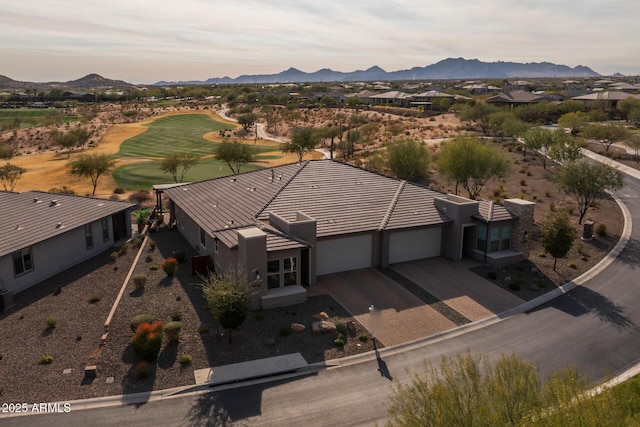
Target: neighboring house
x=607, y=98
x=289, y=224
x=44, y=234
x=517, y=97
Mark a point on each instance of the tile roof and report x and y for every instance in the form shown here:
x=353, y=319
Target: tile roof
x=341, y=198
x=608, y=96
x=276, y=241
x=31, y=217
x=490, y=211
x=516, y=96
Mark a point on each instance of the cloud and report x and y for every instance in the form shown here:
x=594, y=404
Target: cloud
x=200, y=38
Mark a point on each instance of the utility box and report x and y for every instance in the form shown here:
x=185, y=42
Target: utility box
x=587, y=232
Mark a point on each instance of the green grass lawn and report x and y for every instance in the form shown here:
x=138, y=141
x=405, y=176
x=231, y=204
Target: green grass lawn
x=143, y=175
x=177, y=134
x=33, y=117
x=173, y=134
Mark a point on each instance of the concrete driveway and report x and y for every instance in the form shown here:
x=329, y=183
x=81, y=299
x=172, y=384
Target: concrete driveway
x=443, y=295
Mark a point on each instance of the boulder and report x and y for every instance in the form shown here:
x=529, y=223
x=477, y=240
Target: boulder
x=297, y=327
x=321, y=316
x=323, y=326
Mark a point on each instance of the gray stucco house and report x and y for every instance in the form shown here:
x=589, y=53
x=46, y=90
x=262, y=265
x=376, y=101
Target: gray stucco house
x=289, y=224
x=44, y=234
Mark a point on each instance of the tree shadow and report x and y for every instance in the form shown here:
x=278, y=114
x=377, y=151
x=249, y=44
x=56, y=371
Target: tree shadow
x=166, y=281
x=582, y=300
x=48, y=331
x=630, y=254
x=136, y=293
x=168, y=356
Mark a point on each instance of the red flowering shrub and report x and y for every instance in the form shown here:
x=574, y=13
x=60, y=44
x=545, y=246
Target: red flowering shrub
x=169, y=266
x=147, y=341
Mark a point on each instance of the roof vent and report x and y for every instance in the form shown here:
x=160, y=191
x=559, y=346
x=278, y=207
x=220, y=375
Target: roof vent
x=18, y=227
x=54, y=202
x=280, y=177
x=233, y=180
x=359, y=183
x=36, y=200
x=59, y=225
x=315, y=186
x=215, y=204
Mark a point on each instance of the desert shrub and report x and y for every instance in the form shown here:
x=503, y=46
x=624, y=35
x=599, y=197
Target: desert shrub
x=147, y=341
x=114, y=255
x=148, y=258
x=124, y=247
x=63, y=190
x=52, y=322
x=141, y=370
x=492, y=275
x=140, y=196
x=118, y=190
x=514, y=287
x=285, y=331
x=523, y=182
x=152, y=244
x=140, y=281
x=114, y=197
x=179, y=256
x=172, y=331
x=572, y=265
x=153, y=267
x=139, y=319
x=94, y=299
x=176, y=316
x=601, y=230
x=45, y=360
x=542, y=254
x=339, y=342
x=341, y=327
x=185, y=359
x=363, y=337
x=169, y=266
x=137, y=242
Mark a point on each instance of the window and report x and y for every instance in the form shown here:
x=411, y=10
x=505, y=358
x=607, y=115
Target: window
x=505, y=238
x=290, y=271
x=494, y=244
x=273, y=273
x=203, y=238
x=482, y=237
x=105, y=229
x=88, y=235
x=22, y=262
x=215, y=245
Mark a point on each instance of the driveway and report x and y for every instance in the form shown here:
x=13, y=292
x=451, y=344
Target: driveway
x=416, y=299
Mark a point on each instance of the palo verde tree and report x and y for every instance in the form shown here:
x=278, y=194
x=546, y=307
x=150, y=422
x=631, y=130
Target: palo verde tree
x=633, y=141
x=235, y=155
x=470, y=162
x=480, y=114
x=10, y=175
x=587, y=181
x=538, y=140
x=91, y=166
x=557, y=234
x=575, y=121
x=408, y=159
x=606, y=134
x=228, y=296
x=178, y=164
x=303, y=140
x=565, y=148
x=247, y=120
x=471, y=391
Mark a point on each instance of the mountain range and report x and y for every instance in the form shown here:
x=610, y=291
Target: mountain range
x=451, y=68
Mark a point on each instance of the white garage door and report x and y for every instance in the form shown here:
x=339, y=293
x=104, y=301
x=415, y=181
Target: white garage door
x=414, y=244
x=349, y=253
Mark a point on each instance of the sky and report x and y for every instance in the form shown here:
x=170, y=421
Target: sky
x=144, y=41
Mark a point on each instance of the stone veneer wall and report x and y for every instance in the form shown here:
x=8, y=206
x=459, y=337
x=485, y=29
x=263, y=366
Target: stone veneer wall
x=524, y=210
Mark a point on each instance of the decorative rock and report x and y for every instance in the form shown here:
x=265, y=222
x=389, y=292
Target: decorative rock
x=321, y=316
x=297, y=327
x=534, y=270
x=323, y=327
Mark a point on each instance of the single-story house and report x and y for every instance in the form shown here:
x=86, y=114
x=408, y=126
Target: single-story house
x=610, y=98
x=44, y=234
x=288, y=224
x=518, y=97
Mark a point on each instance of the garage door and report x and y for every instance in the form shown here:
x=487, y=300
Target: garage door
x=349, y=253
x=414, y=244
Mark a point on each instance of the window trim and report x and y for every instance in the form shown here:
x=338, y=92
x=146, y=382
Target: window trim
x=21, y=254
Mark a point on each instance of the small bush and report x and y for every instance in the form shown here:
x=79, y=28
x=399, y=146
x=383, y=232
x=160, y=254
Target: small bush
x=141, y=370
x=148, y=258
x=601, y=230
x=339, y=342
x=152, y=244
x=114, y=197
x=169, y=266
x=138, y=320
x=541, y=254
x=45, y=360
x=140, y=281
x=140, y=197
x=147, y=341
x=153, y=267
x=523, y=183
x=172, y=331
x=180, y=256
x=492, y=275
x=185, y=359
x=176, y=316
x=114, y=255
x=514, y=287
x=119, y=190
x=124, y=247
x=137, y=242
x=341, y=327
x=363, y=337
x=94, y=299
x=52, y=322
x=285, y=331
x=572, y=265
